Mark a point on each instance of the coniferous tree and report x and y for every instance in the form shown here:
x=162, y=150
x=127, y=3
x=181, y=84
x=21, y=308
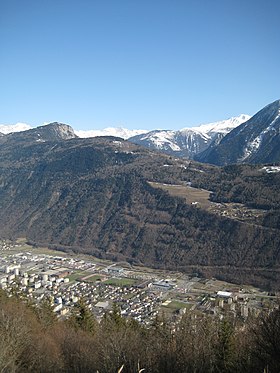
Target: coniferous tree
x=225, y=347
x=267, y=341
x=83, y=317
x=45, y=312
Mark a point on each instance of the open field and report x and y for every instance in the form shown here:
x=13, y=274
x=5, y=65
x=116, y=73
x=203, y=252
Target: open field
x=120, y=281
x=195, y=196
x=78, y=275
x=176, y=305
x=23, y=246
x=200, y=198
x=93, y=278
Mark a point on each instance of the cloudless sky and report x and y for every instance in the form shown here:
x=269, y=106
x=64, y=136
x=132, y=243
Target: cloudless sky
x=137, y=63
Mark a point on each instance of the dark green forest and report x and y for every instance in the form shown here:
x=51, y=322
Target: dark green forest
x=34, y=340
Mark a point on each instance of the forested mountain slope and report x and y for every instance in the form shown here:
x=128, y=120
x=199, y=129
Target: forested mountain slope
x=94, y=195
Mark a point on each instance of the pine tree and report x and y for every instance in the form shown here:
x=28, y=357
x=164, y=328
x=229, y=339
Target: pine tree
x=45, y=312
x=83, y=318
x=115, y=316
x=225, y=347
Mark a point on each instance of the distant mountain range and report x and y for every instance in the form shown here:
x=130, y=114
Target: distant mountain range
x=241, y=139
x=124, y=133
x=18, y=127
x=188, y=142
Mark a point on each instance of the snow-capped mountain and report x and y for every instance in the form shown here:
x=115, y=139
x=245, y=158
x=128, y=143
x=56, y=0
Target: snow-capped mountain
x=188, y=142
x=223, y=126
x=18, y=127
x=111, y=131
x=255, y=141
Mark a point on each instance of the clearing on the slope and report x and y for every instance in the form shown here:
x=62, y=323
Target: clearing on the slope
x=193, y=196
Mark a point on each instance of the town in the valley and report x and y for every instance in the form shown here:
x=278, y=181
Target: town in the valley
x=141, y=293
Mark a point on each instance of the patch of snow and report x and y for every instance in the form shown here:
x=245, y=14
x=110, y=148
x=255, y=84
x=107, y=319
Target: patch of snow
x=270, y=127
x=171, y=185
x=252, y=147
x=192, y=133
x=162, y=139
x=255, y=144
x=270, y=169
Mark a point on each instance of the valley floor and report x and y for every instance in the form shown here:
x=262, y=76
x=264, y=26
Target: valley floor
x=141, y=293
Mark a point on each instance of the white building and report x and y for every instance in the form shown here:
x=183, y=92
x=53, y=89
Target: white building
x=224, y=294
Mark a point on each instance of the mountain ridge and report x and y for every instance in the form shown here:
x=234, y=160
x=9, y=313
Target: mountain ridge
x=51, y=132
x=241, y=139
x=188, y=142
x=255, y=141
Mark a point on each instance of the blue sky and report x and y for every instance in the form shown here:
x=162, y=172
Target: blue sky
x=137, y=63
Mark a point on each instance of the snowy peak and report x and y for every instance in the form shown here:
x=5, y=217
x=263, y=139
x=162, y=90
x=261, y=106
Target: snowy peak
x=124, y=133
x=160, y=139
x=188, y=142
x=18, y=127
x=224, y=126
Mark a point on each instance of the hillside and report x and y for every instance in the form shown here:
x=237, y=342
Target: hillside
x=95, y=195
x=255, y=141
